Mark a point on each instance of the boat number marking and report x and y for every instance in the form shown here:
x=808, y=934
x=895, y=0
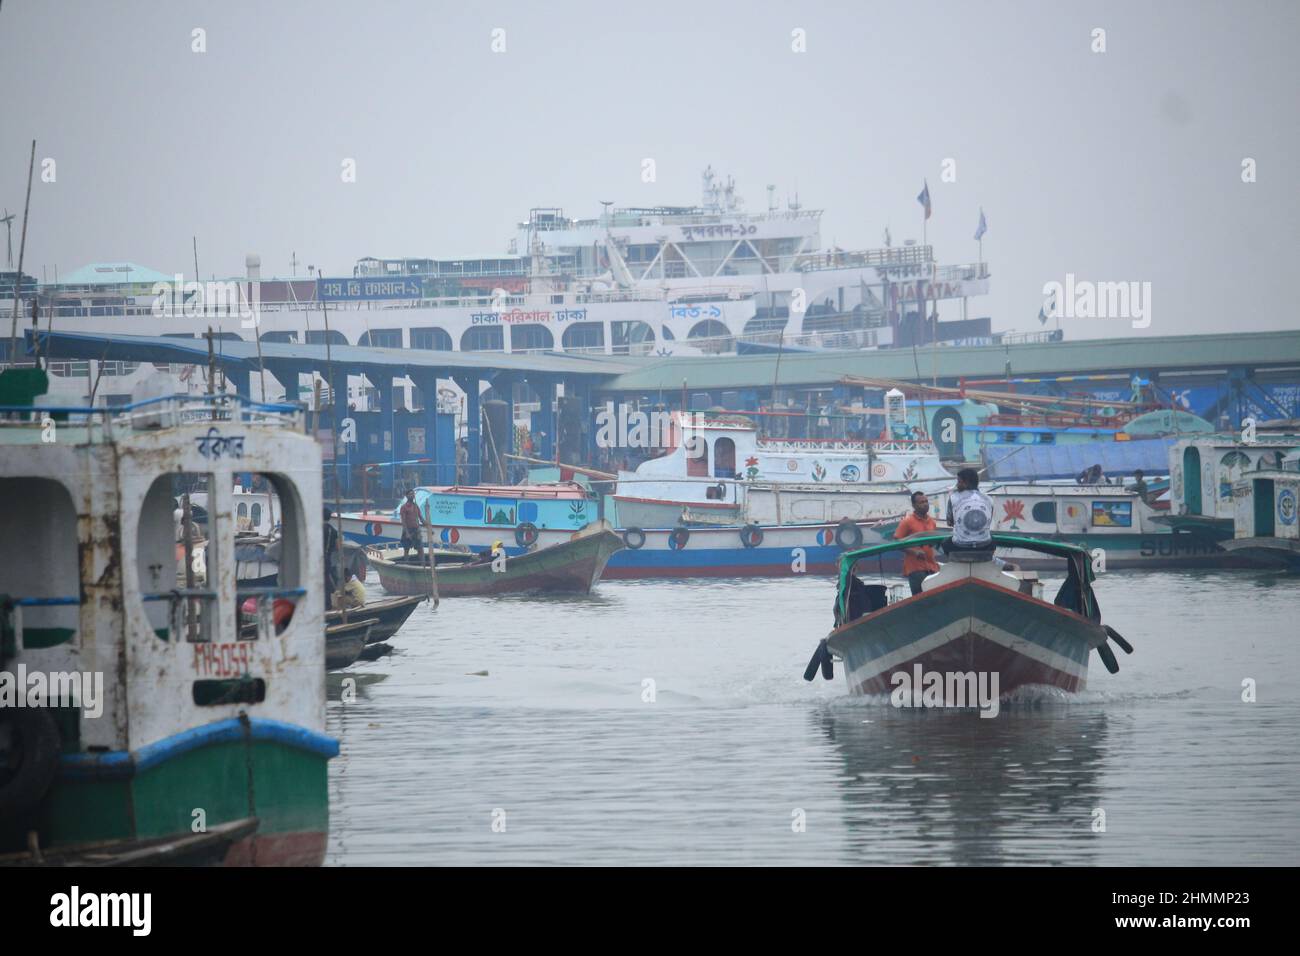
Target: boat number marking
x=222, y=660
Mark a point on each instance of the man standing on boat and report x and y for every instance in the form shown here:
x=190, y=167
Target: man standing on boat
x=412, y=522
x=1140, y=485
x=918, y=563
x=970, y=512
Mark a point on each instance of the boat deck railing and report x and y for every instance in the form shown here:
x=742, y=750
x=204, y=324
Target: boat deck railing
x=105, y=422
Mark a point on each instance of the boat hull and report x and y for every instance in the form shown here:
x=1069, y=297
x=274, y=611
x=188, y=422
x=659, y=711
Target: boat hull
x=230, y=769
x=783, y=551
x=1143, y=550
x=345, y=642
x=967, y=626
x=571, y=567
x=388, y=615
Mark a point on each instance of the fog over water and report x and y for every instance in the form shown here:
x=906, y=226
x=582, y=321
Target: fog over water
x=1122, y=165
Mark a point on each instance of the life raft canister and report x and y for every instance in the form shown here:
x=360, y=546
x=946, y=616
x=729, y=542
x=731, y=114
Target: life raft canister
x=751, y=536
x=848, y=535
x=526, y=535
x=678, y=537
x=633, y=538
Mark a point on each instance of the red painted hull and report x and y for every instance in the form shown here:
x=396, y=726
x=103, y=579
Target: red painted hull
x=278, y=849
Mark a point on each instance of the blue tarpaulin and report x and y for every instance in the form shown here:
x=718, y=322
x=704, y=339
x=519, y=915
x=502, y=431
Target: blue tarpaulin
x=1117, y=459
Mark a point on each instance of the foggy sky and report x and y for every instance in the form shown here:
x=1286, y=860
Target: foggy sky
x=1123, y=165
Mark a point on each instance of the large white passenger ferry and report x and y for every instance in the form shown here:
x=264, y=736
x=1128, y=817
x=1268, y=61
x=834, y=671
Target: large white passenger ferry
x=669, y=280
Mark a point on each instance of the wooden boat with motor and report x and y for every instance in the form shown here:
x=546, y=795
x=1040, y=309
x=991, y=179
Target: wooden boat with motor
x=573, y=566
x=973, y=618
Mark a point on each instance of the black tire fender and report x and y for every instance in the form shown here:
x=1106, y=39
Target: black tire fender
x=526, y=535
x=848, y=535
x=35, y=738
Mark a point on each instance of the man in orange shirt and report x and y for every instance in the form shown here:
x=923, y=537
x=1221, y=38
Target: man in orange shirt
x=917, y=562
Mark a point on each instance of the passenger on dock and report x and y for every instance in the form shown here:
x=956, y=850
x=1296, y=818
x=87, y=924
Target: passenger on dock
x=970, y=512
x=918, y=563
x=412, y=522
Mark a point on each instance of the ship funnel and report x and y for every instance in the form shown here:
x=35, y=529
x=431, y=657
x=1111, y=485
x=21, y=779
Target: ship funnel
x=253, y=265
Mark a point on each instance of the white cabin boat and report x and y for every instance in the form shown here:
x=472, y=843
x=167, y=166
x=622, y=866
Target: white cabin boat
x=719, y=470
x=1265, y=527
x=1203, y=470
x=165, y=704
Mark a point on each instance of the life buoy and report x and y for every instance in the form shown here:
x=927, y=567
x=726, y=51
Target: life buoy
x=751, y=536
x=848, y=535
x=35, y=739
x=678, y=537
x=633, y=538
x=526, y=535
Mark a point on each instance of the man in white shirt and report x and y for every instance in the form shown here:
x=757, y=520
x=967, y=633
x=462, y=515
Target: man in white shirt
x=970, y=512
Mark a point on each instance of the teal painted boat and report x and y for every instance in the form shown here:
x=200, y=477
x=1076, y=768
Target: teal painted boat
x=973, y=626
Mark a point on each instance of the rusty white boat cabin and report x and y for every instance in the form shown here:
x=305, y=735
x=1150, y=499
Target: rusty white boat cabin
x=161, y=720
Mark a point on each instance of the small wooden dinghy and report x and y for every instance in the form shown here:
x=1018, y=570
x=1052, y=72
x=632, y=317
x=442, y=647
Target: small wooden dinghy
x=345, y=642
x=389, y=615
x=573, y=566
x=194, y=849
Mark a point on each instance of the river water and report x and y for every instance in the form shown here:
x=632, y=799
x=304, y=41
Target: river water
x=669, y=723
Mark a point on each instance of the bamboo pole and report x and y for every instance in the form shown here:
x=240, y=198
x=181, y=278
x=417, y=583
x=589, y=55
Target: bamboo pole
x=433, y=564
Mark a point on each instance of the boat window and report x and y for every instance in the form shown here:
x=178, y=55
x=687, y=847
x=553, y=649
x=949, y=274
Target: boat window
x=528, y=511
x=531, y=337
x=473, y=510
x=584, y=336
x=431, y=338
x=270, y=583
x=242, y=510
x=724, y=458
x=39, y=538
x=1047, y=438
x=381, y=338
x=173, y=558
x=1044, y=512
x=483, y=338
x=697, y=457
